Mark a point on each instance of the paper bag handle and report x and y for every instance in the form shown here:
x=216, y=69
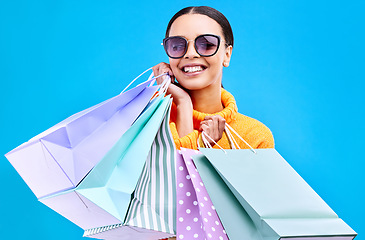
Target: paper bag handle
x=228, y=130
x=230, y=137
x=163, y=86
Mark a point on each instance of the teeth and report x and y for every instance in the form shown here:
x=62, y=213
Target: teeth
x=193, y=69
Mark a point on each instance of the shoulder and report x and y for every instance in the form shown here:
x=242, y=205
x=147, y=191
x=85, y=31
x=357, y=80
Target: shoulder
x=253, y=131
x=252, y=122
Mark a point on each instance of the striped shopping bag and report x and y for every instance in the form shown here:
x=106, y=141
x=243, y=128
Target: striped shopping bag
x=152, y=211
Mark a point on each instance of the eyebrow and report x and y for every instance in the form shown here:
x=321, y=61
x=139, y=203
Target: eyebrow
x=194, y=38
x=177, y=36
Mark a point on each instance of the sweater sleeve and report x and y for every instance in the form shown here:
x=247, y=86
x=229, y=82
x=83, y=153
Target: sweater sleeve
x=188, y=141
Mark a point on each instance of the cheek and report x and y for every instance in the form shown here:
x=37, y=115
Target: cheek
x=221, y=56
x=174, y=64
x=217, y=59
x=216, y=62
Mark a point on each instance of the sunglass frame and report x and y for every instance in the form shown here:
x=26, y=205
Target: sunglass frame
x=186, y=45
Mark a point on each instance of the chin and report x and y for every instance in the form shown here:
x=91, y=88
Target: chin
x=196, y=86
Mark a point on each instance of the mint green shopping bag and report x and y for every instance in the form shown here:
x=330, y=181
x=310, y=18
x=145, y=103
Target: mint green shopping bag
x=259, y=196
x=152, y=210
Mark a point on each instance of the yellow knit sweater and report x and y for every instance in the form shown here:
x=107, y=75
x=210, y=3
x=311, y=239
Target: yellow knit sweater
x=254, y=132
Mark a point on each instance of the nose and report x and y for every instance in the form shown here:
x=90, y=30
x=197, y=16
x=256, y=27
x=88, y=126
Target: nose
x=191, y=51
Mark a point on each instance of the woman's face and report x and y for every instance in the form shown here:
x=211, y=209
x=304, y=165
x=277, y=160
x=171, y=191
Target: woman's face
x=193, y=71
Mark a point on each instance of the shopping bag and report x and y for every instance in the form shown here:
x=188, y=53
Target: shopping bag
x=196, y=215
x=124, y=232
x=103, y=196
x=152, y=210
x=260, y=196
x=59, y=158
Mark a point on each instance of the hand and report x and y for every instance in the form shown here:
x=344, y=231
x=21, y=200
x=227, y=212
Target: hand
x=160, y=69
x=179, y=95
x=213, y=126
x=182, y=100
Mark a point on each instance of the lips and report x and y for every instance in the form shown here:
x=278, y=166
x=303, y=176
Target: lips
x=193, y=68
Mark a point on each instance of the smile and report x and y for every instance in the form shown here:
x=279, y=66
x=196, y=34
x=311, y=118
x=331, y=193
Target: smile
x=193, y=69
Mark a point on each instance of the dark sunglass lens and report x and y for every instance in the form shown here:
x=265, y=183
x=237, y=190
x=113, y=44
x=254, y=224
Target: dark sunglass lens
x=207, y=45
x=175, y=47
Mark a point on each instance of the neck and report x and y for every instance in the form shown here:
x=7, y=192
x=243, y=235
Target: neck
x=207, y=100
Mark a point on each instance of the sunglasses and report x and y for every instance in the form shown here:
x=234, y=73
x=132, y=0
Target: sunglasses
x=206, y=45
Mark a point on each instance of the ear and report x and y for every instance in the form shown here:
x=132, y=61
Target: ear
x=227, y=56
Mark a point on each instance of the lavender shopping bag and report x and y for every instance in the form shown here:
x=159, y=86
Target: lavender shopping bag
x=59, y=158
x=196, y=215
x=103, y=197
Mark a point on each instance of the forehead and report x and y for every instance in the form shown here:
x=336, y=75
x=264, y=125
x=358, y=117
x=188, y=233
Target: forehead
x=193, y=25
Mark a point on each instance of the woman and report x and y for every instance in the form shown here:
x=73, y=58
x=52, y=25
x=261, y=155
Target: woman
x=199, y=43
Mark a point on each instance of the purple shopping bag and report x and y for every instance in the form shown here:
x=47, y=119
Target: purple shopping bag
x=59, y=158
x=196, y=215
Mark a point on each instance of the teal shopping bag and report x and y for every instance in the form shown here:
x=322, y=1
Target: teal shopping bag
x=152, y=210
x=259, y=196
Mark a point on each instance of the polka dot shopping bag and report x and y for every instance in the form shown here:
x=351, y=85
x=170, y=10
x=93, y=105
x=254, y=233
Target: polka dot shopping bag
x=196, y=215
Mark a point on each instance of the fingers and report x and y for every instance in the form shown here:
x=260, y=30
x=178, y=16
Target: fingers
x=160, y=69
x=178, y=93
x=213, y=126
x=216, y=123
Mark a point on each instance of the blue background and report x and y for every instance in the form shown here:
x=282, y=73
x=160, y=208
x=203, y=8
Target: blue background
x=297, y=66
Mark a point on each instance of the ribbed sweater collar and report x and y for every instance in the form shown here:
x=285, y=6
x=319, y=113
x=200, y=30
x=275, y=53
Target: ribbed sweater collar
x=228, y=113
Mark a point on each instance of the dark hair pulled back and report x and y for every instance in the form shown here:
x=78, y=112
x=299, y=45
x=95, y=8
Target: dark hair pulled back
x=210, y=12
